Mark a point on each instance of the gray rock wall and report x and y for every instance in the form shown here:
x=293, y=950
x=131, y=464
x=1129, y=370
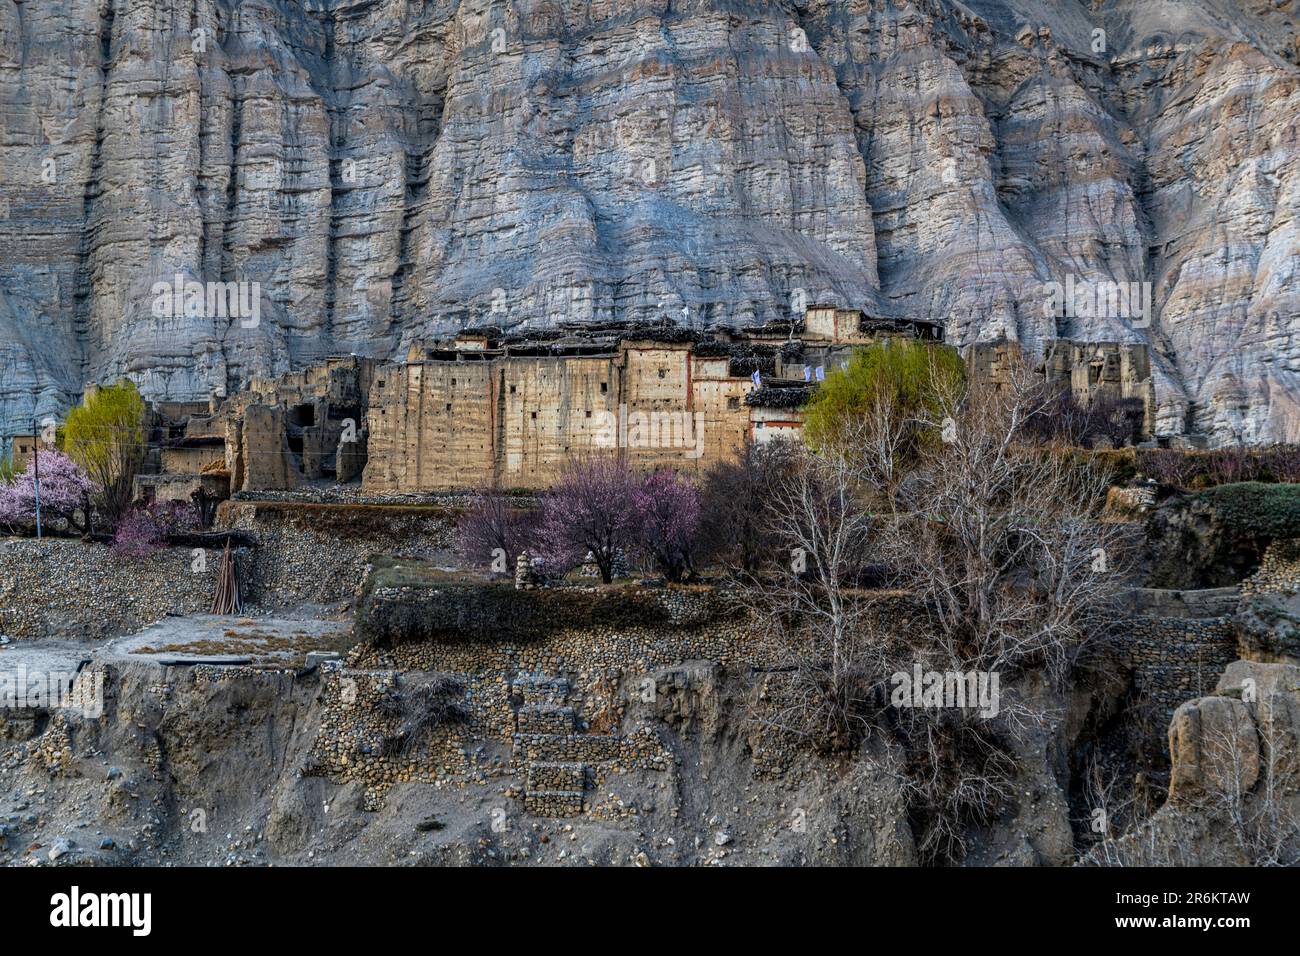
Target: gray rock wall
x=385, y=171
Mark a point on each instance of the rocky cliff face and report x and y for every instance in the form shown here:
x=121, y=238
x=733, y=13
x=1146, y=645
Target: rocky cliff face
x=388, y=169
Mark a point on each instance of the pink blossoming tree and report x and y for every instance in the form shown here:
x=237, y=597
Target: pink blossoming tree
x=144, y=529
x=65, y=490
x=593, y=508
x=668, y=510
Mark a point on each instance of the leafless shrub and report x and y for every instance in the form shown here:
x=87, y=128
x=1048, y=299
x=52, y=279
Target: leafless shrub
x=1115, y=804
x=735, y=501
x=959, y=771
x=419, y=704
x=1152, y=842
x=1226, y=466
x=1251, y=797
x=1282, y=462
x=493, y=529
x=1104, y=422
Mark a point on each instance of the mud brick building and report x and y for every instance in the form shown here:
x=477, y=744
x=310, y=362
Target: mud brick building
x=1091, y=370
x=491, y=409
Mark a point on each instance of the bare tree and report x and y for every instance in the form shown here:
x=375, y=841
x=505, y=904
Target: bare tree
x=998, y=549
x=735, y=501
x=813, y=619
x=1003, y=542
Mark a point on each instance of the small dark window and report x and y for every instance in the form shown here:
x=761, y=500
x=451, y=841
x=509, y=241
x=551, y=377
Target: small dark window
x=453, y=381
x=663, y=372
x=589, y=413
x=302, y=416
x=604, y=387
x=534, y=416
x=512, y=389
x=733, y=403
x=380, y=383
x=449, y=406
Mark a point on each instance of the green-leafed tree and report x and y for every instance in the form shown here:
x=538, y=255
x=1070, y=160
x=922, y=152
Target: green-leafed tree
x=886, y=403
x=106, y=436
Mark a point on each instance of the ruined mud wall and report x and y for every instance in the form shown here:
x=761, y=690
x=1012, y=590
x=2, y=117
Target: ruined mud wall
x=1093, y=370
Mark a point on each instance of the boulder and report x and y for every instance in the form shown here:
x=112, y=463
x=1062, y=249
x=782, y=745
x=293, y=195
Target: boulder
x=1213, y=748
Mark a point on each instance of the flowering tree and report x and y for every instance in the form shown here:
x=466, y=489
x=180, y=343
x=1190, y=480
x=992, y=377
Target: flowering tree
x=492, y=527
x=65, y=489
x=668, y=509
x=592, y=508
x=143, y=530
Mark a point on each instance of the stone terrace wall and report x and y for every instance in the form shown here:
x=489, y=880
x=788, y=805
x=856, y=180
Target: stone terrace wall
x=318, y=553
x=591, y=648
x=1268, y=620
x=613, y=650
x=1178, y=643
x=57, y=587
x=1279, y=570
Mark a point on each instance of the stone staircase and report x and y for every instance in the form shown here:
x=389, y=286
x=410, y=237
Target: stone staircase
x=556, y=758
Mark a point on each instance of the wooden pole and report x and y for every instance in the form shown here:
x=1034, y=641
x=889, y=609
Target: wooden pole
x=36, y=474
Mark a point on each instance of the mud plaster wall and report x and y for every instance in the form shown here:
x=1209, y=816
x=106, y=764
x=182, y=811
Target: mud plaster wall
x=515, y=422
x=552, y=410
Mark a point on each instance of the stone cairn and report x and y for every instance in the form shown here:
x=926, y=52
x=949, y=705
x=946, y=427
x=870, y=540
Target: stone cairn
x=525, y=578
x=618, y=567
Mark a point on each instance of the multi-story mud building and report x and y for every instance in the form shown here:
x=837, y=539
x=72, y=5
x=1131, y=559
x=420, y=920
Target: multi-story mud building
x=489, y=409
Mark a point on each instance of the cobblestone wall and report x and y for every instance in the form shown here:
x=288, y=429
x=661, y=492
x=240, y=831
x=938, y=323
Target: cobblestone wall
x=560, y=694
x=57, y=587
x=1279, y=570
x=318, y=552
x=576, y=681
x=1178, y=643
x=1175, y=660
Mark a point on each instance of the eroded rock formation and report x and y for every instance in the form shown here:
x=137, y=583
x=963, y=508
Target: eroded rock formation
x=387, y=170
